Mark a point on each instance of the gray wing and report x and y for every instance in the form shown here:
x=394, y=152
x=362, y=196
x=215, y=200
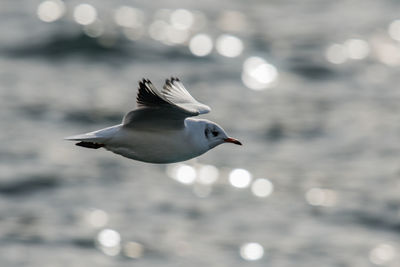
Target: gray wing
x=176, y=94
x=167, y=108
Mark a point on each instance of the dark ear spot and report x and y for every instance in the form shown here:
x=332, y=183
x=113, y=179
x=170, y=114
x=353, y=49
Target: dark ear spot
x=206, y=132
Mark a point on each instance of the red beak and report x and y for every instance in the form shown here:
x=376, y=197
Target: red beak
x=232, y=140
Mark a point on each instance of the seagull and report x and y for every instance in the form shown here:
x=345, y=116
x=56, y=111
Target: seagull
x=161, y=129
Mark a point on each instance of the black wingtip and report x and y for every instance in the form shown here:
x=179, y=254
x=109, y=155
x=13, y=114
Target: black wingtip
x=144, y=81
x=174, y=79
x=147, y=95
x=169, y=82
x=143, y=84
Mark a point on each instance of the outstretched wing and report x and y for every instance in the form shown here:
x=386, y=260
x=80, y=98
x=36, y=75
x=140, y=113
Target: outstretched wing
x=149, y=96
x=176, y=94
x=167, y=108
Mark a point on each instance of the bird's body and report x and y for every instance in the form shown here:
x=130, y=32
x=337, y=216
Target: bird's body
x=159, y=131
x=171, y=145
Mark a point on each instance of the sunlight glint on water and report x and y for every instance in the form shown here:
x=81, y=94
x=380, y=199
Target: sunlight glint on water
x=158, y=30
x=258, y=74
x=97, y=218
x=85, y=14
x=201, y=45
x=182, y=173
x=394, y=30
x=207, y=174
x=94, y=30
x=129, y=17
x=240, y=178
x=108, y=241
x=321, y=197
x=133, y=250
x=262, y=187
x=251, y=251
x=336, y=54
x=382, y=254
x=182, y=19
x=357, y=48
x=51, y=10
x=229, y=45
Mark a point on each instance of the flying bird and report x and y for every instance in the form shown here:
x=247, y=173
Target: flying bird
x=161, y=129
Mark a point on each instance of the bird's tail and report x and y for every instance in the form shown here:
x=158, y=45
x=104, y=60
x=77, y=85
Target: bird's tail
x=96, y=139
x=88, y=140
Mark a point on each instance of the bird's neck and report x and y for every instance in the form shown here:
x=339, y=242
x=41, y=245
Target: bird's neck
x=195, y=134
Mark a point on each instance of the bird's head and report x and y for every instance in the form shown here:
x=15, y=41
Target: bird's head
x=215, y=135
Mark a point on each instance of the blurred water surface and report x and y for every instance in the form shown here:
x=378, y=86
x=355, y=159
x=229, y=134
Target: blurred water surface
x=310, y=88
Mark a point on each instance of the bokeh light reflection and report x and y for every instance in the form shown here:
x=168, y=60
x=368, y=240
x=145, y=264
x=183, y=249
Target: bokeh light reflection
x=229, y=45
x=394, y=30
x=133, y=34
x=321, y=197
x=207, y=174
x=388, y=53
x=382, y=254
x=357, y=48
x=51, y=10
x=111, y=251
x=109, y=238
x=181, y=19
x=262, y=187
x=336, y=54
x=129, y=17
x=233, y=21
x=133, y=250
x=257, y=74
x=186, y=174
x=182, y=173
x=94, y=30
x=85, y=14
x=201, y=45
x=109, y=241
x=158, y=30
x=163, y=14
x=176, y=36
x=97, y=218
x=251, y=251
x=201, y=190
x=240, y=178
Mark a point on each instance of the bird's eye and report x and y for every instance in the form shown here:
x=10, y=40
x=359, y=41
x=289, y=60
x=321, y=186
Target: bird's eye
x=214, y=133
